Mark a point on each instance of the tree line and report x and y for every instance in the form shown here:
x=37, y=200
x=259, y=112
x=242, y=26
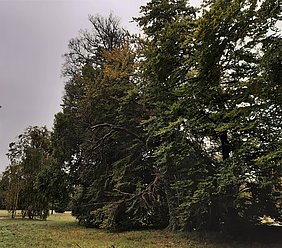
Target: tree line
x=179, y=127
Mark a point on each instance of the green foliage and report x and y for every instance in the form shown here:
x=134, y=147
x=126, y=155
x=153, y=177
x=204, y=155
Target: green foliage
x=178, y=129
x=99, y=138
x=33, y=181
x=181, y=128
x=53, y=181
x=28, y=156
x=2, y=193
x=212, y=124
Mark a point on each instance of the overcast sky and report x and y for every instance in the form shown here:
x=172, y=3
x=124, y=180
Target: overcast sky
x=33, y=36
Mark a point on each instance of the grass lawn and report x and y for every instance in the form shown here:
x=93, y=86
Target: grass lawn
x=61, y=230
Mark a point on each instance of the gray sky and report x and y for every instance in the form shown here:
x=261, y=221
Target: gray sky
x=33, y=36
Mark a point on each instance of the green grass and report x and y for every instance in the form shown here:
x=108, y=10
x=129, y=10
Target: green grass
x=61, y=230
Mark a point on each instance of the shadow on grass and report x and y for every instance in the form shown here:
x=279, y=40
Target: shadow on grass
x=253, y=236
x=262, y=234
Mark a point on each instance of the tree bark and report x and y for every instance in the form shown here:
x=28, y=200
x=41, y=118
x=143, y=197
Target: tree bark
x=225, y=147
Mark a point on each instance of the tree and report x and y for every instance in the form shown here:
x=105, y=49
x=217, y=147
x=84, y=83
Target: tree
x=88, y=48
x=12, y=184
x=167, y=25
x=29, y=156
x=53, y=181
x=229, y=64
x=2, y=192
x=180, y=129
x=209, y=121
x=103, y=145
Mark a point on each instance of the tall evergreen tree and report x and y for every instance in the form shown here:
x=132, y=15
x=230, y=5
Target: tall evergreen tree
x=100, y=138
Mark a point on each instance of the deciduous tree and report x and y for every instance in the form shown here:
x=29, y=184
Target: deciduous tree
x=210, y=122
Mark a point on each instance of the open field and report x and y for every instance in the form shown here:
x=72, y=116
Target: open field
x=6, y=214
x=60, y=230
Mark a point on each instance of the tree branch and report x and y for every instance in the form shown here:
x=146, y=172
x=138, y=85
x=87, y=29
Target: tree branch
x=118, y=128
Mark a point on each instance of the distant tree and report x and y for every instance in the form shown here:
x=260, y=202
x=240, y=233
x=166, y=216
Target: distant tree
x=2, y=192
x=29, y=156
x=12, y=185
x=53, y=181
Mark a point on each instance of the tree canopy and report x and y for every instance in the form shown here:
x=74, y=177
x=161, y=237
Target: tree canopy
x=33, y=180
x=183, y=125
x=177, y=128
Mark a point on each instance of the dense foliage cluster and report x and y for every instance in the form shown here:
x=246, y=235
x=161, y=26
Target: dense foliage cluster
x=33, y=183
x=180, y=128
x=207, y=73
x=100, y=135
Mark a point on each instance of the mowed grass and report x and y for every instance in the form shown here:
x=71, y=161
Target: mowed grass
x=61, y=230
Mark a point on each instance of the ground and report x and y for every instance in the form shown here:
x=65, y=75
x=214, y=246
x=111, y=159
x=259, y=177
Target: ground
x=61, y=230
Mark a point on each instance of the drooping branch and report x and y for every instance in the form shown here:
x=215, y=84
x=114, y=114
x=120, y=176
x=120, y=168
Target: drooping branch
x=118, y=128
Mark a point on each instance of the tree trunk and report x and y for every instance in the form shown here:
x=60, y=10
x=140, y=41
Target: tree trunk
x=213, y=218
x=52, y=208
x=171, y=195
x=225, y=147
x=173, y=224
